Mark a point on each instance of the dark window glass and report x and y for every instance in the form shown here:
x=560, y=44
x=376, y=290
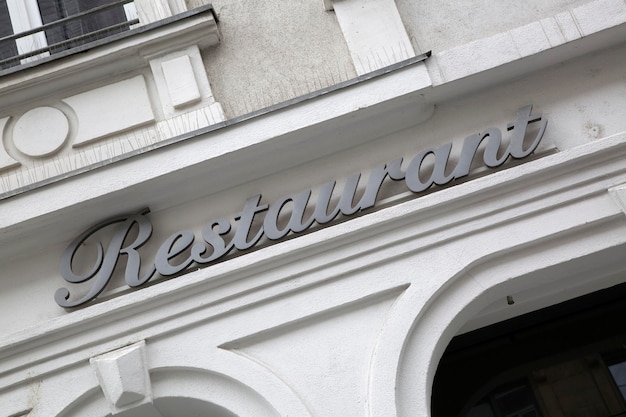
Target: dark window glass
x=510, y=401
x=518, y=401
x=85, y=29
x=569, y=359
x=8, y=48
x=92, y=24
x=618, y=372
x=483, y=409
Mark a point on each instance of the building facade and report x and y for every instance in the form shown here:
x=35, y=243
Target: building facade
x=312, y=208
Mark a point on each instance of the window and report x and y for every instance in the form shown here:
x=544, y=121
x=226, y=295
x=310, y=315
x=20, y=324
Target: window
x=616, y=363
x=8, y=49
x=30, y=29
x=512, y=401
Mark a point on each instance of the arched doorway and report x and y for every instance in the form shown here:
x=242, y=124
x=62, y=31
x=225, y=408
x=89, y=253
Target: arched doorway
x=568, y=359
x=407, y=360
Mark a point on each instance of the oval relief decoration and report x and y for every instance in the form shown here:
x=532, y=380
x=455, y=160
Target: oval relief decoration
x=41, y=131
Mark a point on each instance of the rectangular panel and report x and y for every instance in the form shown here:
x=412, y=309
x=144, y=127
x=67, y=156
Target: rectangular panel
x=111, y=109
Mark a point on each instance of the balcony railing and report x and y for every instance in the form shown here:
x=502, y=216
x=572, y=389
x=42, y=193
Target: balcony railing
x=69, y=42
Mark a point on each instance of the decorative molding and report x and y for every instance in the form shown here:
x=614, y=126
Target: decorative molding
x=127, y=106
x=107, y=149
x=491, y=204
x=94, y=63
x=324, y=211
x=177, y=6
x=181, y=81
x=152, y=10
x=21, y=414
x=190, y=121
x=41, y=131
x=618, y=194
x=6, y=161
x=124, y=377
x=386, y=90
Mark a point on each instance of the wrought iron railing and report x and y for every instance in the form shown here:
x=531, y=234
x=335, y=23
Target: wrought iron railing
x=71, y=42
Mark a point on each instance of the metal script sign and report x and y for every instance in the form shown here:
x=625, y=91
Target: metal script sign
x=184, y=248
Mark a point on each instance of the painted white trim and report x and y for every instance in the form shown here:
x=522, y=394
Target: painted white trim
x=126, y=55
x=131, y=13
x=374, y=32
x=337, y=108
x=152, y=10
x=24, y=16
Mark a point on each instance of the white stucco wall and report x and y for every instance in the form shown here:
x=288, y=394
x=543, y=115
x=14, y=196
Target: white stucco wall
x=232, y=71
x=590, y=109
x=275, y=51
x=433, y=25
x=350, y=319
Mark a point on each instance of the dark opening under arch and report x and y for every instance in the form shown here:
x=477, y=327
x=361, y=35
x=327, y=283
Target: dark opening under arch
x=568, y=359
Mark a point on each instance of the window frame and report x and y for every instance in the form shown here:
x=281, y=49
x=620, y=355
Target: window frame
x=25, y=15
